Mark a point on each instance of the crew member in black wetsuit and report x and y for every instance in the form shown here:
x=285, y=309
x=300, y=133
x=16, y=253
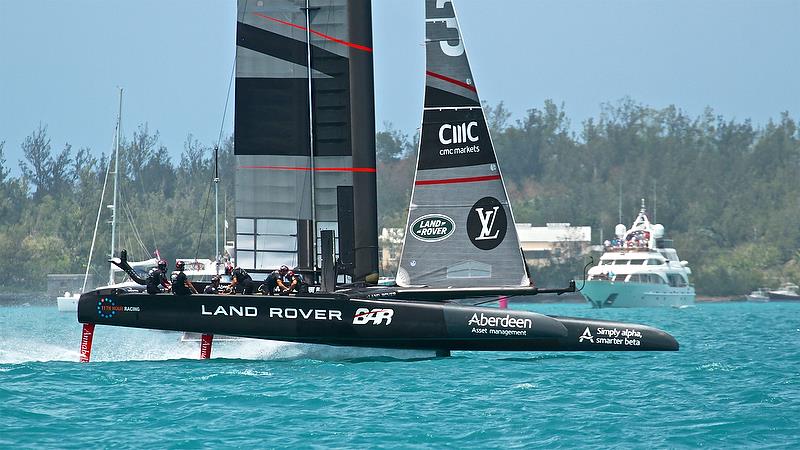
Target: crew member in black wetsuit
x=157, y=277
x=241, y=281
x=293, y=282
x=275, y=282
x=212, y=288
x=180, y=283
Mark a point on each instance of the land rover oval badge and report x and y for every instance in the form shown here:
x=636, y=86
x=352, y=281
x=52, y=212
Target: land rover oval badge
x=432, y=227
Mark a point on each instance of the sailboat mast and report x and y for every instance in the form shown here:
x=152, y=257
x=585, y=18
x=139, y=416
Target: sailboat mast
x=116, y=180
x=307, y=9
x=216, y=207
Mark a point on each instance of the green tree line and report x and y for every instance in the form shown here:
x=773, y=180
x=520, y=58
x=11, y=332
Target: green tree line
x=727, y=192
x=48, y=212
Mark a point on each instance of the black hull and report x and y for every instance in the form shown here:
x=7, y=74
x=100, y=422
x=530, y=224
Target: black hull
x=342, y=321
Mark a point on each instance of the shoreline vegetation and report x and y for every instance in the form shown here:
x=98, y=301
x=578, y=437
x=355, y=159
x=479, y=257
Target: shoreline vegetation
x=726, y=191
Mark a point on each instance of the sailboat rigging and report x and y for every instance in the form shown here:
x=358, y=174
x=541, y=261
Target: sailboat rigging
x=69, y=301
x=460, y=241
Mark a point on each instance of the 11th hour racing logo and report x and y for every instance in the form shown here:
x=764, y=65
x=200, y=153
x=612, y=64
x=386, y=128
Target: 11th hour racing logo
x=487, y=223
x=108, y=308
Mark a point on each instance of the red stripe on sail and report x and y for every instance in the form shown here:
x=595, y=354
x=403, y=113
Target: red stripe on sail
x=315, y=169
x=451, y=80
x=322, y=35
x=458, y=180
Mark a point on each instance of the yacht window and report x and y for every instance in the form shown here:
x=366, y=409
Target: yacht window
x=676, y=280
x=654, y=262
x=637, y=262
x=655, y=279
x=635, y=278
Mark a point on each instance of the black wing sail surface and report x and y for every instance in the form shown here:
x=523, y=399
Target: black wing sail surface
x=275, y=220
x=460, y=230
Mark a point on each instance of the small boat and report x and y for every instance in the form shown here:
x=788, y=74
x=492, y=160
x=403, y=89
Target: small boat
x=760, y=295
x=787, y=292
x=639, y=268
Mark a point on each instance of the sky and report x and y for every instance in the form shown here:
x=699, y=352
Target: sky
x=61, y=62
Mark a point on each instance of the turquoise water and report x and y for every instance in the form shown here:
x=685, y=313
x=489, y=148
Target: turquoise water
x=735, y=382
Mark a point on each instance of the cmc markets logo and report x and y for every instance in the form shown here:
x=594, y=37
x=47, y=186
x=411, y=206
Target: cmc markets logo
x=364, y=316
x=432, y=227
x=487, y=223
x=458, y=133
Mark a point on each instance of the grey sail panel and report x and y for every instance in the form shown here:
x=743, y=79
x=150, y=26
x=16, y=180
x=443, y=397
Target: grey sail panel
x=449, y=79
x=460, y=230
x=272, y=132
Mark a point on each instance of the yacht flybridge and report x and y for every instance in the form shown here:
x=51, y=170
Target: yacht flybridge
x=639, y=268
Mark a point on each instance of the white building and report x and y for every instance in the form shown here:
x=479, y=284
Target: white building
x=556, y=241
x=540, y=245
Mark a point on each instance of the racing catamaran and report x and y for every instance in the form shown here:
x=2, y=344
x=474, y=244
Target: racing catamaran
x=460, y=243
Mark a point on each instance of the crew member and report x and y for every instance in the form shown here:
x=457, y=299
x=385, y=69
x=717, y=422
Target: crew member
x=241, y=281
x=180, y=283
x=275, y=281
x=294, y=282
x=212, y=288
x=157, y=277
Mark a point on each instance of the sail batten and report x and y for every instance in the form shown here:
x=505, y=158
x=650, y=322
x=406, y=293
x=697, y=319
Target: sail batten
x=460, y=231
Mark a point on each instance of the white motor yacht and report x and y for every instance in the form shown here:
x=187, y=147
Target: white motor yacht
x=639, y=268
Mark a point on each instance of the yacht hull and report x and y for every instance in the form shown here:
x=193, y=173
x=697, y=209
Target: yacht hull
x=341, y=321
x=783, y=297
x=67, y=303
x=612, y=294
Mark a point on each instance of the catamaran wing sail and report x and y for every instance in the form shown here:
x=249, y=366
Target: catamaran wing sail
x=460, y=230
x=304, y=133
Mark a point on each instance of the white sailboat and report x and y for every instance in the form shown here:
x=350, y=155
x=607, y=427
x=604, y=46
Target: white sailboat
x=69, y=301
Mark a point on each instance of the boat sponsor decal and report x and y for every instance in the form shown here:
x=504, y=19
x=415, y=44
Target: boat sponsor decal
x=433, y=228
x=232, y=311
x=499, y=325
x=457, y=134
x=454, y=138
x=586, y=335
x=364, y=316
x=487, y=223
x=305, y=314
x=612, y=336
x=108, y=308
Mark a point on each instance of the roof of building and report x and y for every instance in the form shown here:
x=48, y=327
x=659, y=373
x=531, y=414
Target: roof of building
x=553, y=232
